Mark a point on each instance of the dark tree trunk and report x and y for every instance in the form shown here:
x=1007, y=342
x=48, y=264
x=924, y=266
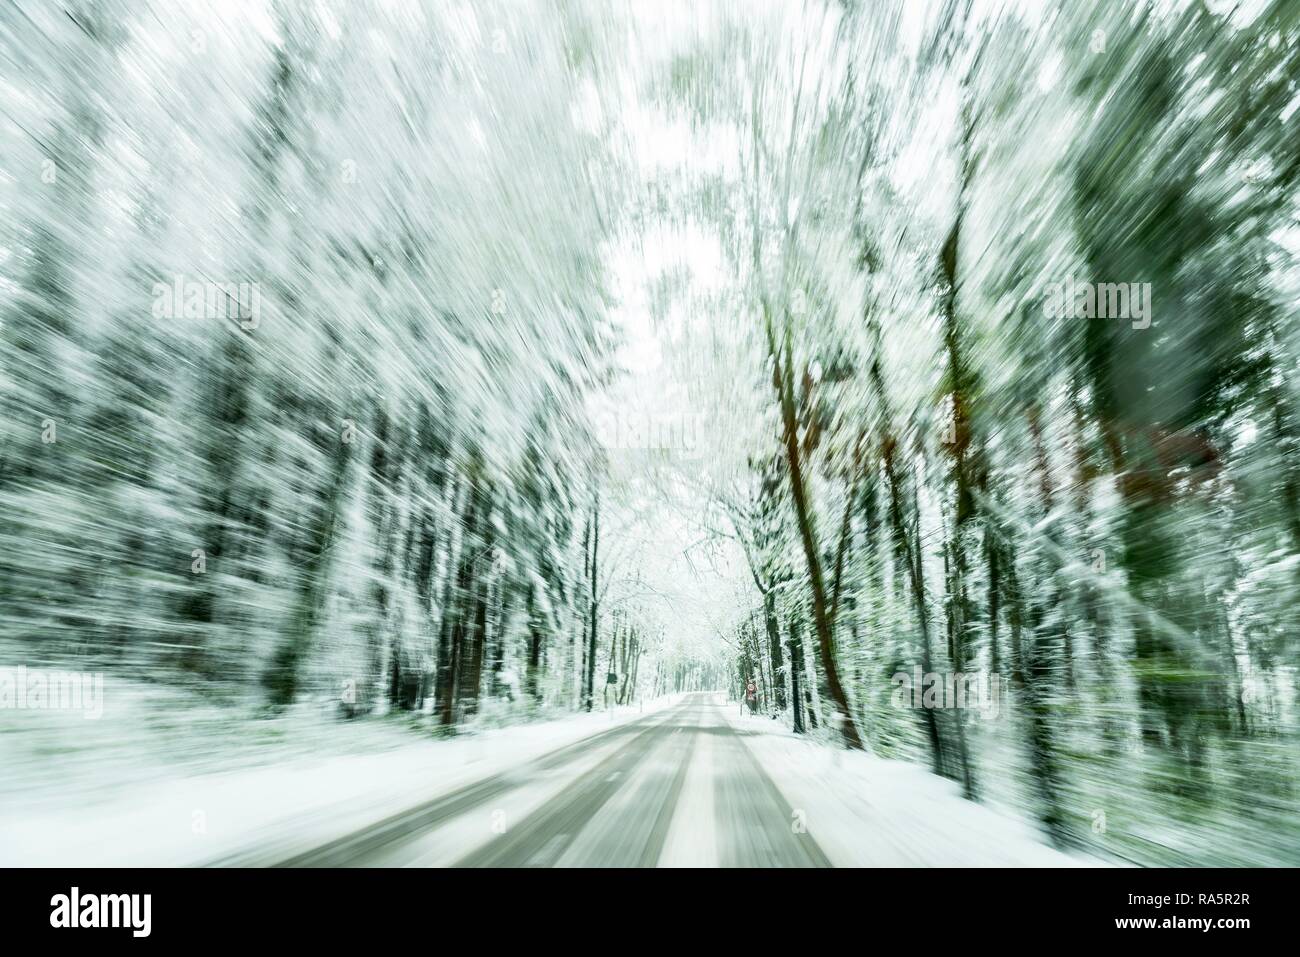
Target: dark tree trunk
x=536, y=636
x=796, y=673
x=590, y=677
x=822, y=614
x=774, y=649
x=995, y=611
x=916, y=577
x=470, y=682
x=458, y=608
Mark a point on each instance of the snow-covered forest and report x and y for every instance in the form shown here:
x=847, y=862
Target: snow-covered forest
x=452, y=366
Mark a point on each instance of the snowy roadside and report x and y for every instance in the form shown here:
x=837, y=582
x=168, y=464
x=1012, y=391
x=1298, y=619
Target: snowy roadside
x=138, y=809
x=866, y=811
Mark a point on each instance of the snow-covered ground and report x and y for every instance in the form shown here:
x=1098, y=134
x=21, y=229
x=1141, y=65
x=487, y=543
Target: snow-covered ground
x=108, y=793
x=695, y=783
x=866, y=811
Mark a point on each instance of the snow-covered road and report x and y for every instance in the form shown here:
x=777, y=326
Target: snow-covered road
x=687, y=780
x=690, y=786
x=676, y=788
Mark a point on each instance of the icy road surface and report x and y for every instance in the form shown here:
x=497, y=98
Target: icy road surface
x=677, y=788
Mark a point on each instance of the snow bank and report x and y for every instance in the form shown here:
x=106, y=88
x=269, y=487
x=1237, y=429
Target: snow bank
x=866, y=811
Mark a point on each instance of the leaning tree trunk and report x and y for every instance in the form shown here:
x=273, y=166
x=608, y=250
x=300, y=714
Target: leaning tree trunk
x=822, y=618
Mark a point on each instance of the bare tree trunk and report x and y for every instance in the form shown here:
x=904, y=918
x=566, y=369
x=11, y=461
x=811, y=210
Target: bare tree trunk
x=912, y=559
x=469, y=684
x=281, y=678
x=807, y=534
x=796, y=669
x=774, y=649
x=589, y=681
x=458, y=614
x=532, y=679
